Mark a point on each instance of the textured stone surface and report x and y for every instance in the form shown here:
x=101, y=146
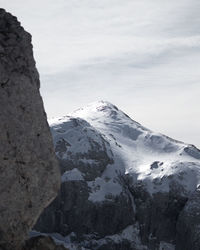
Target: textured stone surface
x=188, y=226
x=157, y=216
x=71, y=211
x=29, y=175
x=42, y=243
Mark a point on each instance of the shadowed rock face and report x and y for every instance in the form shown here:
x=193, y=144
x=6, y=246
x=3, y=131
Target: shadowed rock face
x=29, y=174
x=41, y=243
x=71, y=211
x=188, y=226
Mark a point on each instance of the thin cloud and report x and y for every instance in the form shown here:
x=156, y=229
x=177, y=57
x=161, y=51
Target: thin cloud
x=142, y=55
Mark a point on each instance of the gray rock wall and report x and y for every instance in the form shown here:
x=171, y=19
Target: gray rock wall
x=188, y=226
x=71, y=211
x=41, y=243
x=29, y=174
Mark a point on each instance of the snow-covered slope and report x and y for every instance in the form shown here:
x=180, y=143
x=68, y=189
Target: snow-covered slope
x=120, y=178
x=152, y=158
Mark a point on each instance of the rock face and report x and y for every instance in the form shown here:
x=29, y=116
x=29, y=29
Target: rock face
x=123, y=186
x=188, y=226
x=29, y=174
x=42, y=243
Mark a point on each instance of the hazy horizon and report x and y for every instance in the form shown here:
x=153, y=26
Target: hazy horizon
x=141, y=55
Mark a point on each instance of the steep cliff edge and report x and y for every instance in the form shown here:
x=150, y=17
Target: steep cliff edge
x=29, y=173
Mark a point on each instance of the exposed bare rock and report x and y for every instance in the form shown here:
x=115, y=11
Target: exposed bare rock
x=188, y=226
x=29, y=175
x=42, y=243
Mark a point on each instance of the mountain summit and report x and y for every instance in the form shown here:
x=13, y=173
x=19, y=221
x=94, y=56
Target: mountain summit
x=149, y=157
x=122, y=184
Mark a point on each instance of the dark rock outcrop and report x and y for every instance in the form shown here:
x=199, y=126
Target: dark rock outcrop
x=71, y=211
x=42, y=243
x=29, y=174
x=157, y=216
x=188, y=226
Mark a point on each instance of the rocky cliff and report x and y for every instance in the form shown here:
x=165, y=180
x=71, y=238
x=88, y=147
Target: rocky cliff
x=29, y=175
x=123, y=186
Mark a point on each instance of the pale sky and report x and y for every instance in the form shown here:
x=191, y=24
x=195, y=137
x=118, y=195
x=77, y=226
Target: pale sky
x=141, y=55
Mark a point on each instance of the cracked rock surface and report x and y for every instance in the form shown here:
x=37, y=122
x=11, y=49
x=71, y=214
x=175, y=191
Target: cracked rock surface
x=29, y=174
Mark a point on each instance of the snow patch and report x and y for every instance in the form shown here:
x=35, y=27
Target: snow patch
x=166, y=246
x=72, y=175
x=102, y=189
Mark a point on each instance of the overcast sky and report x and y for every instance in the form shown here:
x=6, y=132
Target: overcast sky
x=141, y=55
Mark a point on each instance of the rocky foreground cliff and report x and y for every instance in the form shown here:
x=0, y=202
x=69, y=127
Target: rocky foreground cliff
x=29, y=175
x=123, y=186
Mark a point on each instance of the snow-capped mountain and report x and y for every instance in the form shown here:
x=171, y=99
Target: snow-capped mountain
x=154, y=159
x=122, y=184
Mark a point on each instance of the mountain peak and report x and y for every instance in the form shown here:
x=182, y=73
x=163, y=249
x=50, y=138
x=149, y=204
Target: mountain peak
x=102, y=111
x=98, y=106
x=109, y=160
